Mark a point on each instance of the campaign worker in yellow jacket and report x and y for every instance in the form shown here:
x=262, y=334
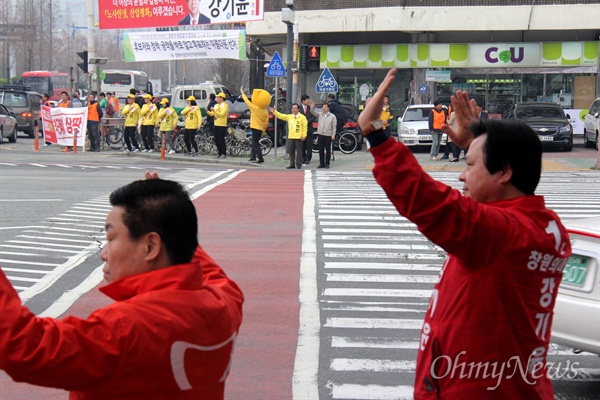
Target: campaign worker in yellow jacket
x=193, y=122
x=131, y=112
x=220, y=112
x=167, y=118
x=297, y=131
x=259, y=119
x=149, y=114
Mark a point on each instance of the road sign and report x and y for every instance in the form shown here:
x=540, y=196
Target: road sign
x=276, y=67
x=423, y=89
x=326, y=82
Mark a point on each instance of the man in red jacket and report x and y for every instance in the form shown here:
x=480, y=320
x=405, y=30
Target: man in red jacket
x=169, y=335
x=487, y=328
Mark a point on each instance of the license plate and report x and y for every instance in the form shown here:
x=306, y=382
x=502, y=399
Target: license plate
x=576, y=270
x=424, y=138
x=546, y=138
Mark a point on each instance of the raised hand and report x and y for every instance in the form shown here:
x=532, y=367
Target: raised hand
x=465, y=112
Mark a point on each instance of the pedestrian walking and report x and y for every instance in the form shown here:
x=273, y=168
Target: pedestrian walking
x=93, y=122
x=326, y=131
x=491, y=308
x=307, y=147
x=297, y=131
x=259, y=119
x=437, y=118
x=193, y=122
x=149, y=117
x=131, y=112
x=167, y=118
x=220, y=112
x=171, y=330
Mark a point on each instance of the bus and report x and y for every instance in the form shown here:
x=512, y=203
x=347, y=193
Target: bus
x=121, y=80
x=51, y=82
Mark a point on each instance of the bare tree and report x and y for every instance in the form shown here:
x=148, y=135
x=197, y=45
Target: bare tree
x=231, y=73
x=27, y=58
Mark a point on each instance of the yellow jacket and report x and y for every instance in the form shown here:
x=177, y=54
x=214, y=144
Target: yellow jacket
x=220, y=112
x=167, y=118
x=297, y=124
x=193, y=119
x=149, y=114
x=132, y=114
x=386, y=116
x=259, y=117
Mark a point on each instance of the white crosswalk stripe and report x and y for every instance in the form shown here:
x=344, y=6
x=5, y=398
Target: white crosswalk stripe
x=376, y=275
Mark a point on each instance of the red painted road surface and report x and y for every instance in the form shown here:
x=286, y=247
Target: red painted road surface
x=252, y=226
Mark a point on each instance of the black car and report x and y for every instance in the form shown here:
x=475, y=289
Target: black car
x=548, y=120
x=26, y=106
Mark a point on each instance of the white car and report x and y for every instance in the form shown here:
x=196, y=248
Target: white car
x=413, y=126
x=590, y=125
x=577, y=311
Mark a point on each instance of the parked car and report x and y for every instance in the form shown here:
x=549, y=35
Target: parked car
x=577, y=310
x=548, y=120
x=590, y=125
x=8, y=125
x=413, y=126
x=201, y=92
x=26, y=106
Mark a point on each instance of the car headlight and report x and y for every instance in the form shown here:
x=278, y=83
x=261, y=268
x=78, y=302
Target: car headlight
x=407, y=131
x=565, y=128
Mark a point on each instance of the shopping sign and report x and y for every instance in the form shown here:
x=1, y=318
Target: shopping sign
x=129, y=14
x=61, y=124
x=175, y=45
x=276, y=67
x=326, y=82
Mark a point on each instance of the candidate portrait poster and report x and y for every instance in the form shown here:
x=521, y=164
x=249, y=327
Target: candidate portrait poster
x=130, y=14
x=61, y=124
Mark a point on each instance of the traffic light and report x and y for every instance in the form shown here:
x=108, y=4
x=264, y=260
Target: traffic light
x=314, y=58
x=303, y=63
x=84, y=65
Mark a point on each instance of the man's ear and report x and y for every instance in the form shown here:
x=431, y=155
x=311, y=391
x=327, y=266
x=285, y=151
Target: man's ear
x=506, y=174
x=154, y=246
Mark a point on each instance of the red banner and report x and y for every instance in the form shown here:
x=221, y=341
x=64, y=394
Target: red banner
x=61, y=124
x=131, y=14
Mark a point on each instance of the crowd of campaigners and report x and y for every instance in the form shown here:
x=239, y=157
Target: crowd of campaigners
x=173, y=326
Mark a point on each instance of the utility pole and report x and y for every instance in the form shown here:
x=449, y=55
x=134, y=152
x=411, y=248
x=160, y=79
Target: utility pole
x=90, y=39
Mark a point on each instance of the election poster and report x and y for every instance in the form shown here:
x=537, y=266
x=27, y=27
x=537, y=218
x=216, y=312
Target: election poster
x=130, y=14
x=209, y=44
x=61, y=124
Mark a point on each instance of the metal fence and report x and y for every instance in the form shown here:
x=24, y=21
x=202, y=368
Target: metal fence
x=304, y=5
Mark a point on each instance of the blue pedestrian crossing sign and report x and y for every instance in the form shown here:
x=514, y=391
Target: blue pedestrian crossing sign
x=326, y=82
x=276, y=67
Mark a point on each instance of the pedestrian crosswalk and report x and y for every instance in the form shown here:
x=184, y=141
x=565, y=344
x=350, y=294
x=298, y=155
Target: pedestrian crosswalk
x=91, y=166
x=375, y=273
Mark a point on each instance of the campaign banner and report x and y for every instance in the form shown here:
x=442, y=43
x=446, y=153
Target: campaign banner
x=154, y=46
x=60, y=125
x=130, y=14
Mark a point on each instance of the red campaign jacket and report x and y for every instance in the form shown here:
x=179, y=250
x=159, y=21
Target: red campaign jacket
x=489, y=318
x=169, y=335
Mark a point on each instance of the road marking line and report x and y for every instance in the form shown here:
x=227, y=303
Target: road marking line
x=374, y=246
x=337, y=277
x=30, y=200
x=371, y=392
x=365, y=364
x=87, y=240
x=7, y=261
x=374, y=323
x=37, y=248
x=63, y=166
x=387, y=256
x=396, y=266
x=27, y=271
x=23, y=227
x=39, y=165
x=306, y=364
x=352, y=292
x=357, y=238
x=372, y=343
x=69, y=246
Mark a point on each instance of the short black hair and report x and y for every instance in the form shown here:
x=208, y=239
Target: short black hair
x=514, y=144
x=212, y=96
x=63, y=92
x=193, y=102
x=435, y=103
x=331, y=96
x=102, y=94
x=164, y=207
x=132, y=91
x=304, y=97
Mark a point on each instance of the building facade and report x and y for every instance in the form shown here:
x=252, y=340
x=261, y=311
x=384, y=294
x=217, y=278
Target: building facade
x=501, y=52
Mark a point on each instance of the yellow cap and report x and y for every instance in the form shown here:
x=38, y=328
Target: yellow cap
x=164, y=100
x=222, y=95
x=147, y=96
x=191, y=98
x=131, y=96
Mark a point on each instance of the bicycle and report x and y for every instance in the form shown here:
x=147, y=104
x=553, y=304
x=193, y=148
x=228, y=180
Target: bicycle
x=346, y=142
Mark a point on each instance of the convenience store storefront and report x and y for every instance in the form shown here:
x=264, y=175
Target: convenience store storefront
x=497, y=75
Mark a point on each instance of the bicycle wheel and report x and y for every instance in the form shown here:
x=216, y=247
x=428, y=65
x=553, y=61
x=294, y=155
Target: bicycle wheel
x=157, y=141
x=179, y=144
x=114, y=137
x=347, y=143
x=315, y=144
x=265, y=145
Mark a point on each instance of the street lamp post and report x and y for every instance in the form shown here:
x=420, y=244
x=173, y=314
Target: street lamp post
x=288, y=17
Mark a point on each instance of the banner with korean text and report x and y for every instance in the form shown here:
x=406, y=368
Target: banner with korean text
x=154, y=46
x=60, y=124
x=129, y=14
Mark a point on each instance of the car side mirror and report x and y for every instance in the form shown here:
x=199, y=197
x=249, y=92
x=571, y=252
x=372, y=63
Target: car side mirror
x=11, y=113
x=596, y=115
x=568, y=116
x=399, y=119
